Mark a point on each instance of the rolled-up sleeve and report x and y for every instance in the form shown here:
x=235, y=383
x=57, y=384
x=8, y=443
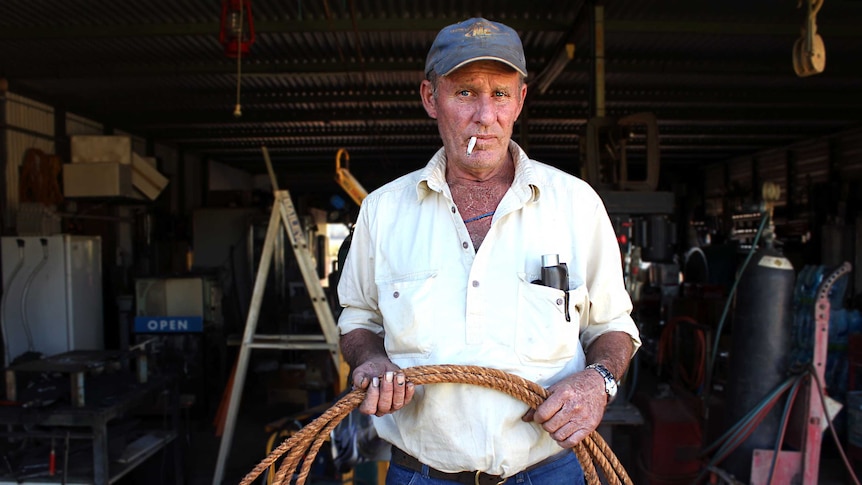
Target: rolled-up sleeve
x=610, y=303
x=357, y=291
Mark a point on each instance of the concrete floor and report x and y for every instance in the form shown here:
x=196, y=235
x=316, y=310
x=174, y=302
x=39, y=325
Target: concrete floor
x=249, y=450
x=249, y=444
x=201, y=448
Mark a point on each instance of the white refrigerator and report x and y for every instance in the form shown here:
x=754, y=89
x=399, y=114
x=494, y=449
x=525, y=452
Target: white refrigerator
x=52, y=295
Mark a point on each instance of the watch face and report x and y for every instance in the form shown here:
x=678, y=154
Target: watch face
x=611, y=388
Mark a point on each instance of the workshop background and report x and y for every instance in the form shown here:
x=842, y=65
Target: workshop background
x=154, y=152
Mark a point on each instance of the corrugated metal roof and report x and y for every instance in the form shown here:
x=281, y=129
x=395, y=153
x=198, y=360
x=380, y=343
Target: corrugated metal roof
x=324, y=75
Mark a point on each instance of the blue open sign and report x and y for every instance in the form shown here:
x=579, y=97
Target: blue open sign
x=169, y=324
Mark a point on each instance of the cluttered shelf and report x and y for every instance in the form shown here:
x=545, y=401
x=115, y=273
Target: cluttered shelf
x=79, y=417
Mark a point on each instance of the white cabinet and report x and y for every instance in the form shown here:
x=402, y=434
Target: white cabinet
x=52, y=295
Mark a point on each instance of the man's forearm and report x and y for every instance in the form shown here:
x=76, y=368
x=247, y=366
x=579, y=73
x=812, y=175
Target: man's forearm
x=359, y=346
x=613, y=350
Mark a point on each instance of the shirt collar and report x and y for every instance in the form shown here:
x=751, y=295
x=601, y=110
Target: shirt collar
x=432, y=178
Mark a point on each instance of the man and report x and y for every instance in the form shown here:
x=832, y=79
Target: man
x=442, y=269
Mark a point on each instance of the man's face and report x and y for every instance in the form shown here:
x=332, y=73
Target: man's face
x=482, y=99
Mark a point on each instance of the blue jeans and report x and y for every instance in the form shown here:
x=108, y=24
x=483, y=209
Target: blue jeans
x=565, y=471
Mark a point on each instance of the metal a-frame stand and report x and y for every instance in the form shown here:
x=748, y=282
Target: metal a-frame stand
x=283, y=213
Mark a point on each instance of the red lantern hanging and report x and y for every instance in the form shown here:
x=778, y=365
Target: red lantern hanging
x=237, y=27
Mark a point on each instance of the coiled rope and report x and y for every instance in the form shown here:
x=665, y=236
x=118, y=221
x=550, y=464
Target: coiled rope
x=39, y=180
x=593, y=452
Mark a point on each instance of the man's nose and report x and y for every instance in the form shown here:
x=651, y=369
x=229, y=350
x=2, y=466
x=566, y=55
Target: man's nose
x=486, y=111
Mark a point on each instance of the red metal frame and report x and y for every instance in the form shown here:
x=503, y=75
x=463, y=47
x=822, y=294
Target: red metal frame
x=816, y=414
x=807, y=462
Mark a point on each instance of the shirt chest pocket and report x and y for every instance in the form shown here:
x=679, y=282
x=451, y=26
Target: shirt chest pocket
x=543, y=336
x=407, y=305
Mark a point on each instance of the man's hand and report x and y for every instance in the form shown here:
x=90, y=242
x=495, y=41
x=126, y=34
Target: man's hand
x=387, y=388
x=574, y=409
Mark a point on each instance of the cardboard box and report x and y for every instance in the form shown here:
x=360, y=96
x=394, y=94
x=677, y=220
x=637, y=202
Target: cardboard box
x=146, y=178
x=98, y=180
x=101, y=149
x=151, y=161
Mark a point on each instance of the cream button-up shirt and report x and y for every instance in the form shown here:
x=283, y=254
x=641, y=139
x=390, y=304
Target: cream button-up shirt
x=413, y=276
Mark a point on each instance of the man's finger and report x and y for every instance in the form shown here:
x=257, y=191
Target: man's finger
x=360, y=381
x=399, y=391
x=564, y=432
x=547, y=410
x=408, y=394
x=575, y=438
x=384, y=402
x=369, y=405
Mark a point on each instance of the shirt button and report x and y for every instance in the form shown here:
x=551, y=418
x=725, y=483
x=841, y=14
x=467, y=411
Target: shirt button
x=475, y=284
x=453, y=209
x=396, y=295
x=559, y=301
x=464, y=245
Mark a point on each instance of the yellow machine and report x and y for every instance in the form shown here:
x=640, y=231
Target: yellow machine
x=346, y=179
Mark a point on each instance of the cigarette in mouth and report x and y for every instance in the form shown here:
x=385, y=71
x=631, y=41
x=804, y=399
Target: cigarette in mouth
x=471, y=145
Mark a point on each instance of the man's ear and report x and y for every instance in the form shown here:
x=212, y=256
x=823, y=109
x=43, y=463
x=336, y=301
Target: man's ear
x=428, y=100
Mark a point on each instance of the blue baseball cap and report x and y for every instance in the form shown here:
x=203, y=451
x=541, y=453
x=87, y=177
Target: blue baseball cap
x=472, y=40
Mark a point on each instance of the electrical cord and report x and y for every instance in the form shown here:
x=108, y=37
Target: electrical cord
x=750, y=426
x=743, y=428
x=237, y=111
x=785, y=419
x=693, y=380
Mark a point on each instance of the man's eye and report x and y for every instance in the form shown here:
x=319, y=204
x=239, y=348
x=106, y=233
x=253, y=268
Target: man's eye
x=464, y=92
x=501, y=94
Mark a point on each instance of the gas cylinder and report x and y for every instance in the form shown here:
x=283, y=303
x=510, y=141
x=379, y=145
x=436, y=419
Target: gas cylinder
x=760, y=351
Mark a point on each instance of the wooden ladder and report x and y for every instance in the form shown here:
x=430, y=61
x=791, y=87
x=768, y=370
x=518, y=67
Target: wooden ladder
x=283, y=214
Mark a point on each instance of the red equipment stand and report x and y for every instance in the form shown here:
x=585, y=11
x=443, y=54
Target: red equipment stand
x=810, y=415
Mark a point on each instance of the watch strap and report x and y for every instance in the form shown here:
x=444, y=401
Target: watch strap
x=610, y=380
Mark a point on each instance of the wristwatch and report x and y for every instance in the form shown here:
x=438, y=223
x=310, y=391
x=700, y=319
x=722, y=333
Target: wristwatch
x=610, y=382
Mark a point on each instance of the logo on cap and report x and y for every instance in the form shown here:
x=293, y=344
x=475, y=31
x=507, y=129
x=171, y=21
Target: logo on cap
x=480, y=30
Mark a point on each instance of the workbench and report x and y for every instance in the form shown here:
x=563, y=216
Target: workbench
x=114, y=417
